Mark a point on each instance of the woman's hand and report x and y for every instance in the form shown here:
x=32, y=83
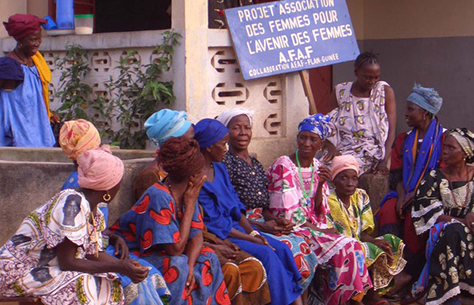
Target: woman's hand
x=55, y=117
x=324, y=174
x=381, y=168
x=385, y=247
x=286, y=224
x=331, y=151
x=229, y=252
x=134, y=270
x=330, y=231
x=120, y=246
x=192, y=191
x=261, y=240
x=272, y=227
x=469, y=221
x=190, y=281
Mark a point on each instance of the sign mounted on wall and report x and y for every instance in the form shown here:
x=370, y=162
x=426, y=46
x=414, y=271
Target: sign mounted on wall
x=291, y=35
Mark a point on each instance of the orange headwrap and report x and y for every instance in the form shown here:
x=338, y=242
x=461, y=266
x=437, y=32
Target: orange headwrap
x=77, y=137
x=341, y=163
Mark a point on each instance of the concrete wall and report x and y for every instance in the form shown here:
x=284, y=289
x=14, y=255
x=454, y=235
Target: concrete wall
x=428, y=42
x=30, y=177
x=8, y=8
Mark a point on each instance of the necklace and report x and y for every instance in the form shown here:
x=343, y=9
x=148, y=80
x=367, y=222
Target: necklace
x=308, y=199
x=467, y=193
x=23, y=61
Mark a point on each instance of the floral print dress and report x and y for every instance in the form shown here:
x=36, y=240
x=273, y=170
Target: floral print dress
x=347, y=277
x=29, y=264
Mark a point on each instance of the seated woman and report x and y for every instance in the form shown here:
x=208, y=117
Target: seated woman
x=298, y=193
x=244, y=275
x=224, y=216
x=250, y=182
x=414, y=155
x=351, y=215
x=364, y=116
x=164, y=228
x=444, y=206
x=56, y=254
x=75, y=138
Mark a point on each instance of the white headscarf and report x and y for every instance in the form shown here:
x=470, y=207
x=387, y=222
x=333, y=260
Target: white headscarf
x=228, y=115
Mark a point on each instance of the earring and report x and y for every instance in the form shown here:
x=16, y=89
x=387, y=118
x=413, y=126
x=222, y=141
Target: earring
x=107, y=197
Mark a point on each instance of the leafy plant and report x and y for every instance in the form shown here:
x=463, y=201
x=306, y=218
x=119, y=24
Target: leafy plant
x=132, y=97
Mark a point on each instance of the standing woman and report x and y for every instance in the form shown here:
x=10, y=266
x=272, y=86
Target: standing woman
x=414, y=154
x=24, y=110
x=364, y=116
x=250, y=182
x=56, y=254
x=299, y=193
x=444, y=206
x=224, y=216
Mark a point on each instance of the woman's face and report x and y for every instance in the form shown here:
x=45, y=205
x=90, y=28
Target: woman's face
x=346, y=182
x=217, y=150
x=31, y=43
x=240, y=132
x=368, y=75
x=415, y=115
x=452, y=152
x=190, y=133
x=308, y=143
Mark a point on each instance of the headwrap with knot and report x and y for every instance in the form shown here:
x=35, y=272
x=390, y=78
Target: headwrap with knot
x=208, y=132
x=99, y=170
x=228, y=115
x=19, y=25
x=341, y=163
x=180, y=157
x=426, y=98
x=317, y=124
x=77, y=137
x=11, y=69
x=465, y=139
x=166, y=123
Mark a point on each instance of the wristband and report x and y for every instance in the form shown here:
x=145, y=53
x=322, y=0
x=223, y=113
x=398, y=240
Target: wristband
x=254, y=233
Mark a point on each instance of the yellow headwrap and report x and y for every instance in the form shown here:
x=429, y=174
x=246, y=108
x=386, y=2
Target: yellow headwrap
x=77, y=137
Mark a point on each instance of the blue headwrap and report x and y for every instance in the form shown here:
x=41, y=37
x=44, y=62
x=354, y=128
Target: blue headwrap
x=426, y=98
x=11, y=69
x=165, y=124
x=317, y=124
x=208, y=132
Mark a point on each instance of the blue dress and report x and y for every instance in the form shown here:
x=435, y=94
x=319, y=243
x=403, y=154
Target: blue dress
x=24, y=119
x=129, y=288
x=154, y=221
x=222, y=212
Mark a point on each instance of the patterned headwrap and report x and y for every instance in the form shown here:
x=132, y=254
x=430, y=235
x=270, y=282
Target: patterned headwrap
x=180, y=157
x=77, y=137
x=19, y=25
x=209, y=131
x=426, y=98
x=317, y=124
x=99, y=170
x=11, y=69
x=228, y=115
x=341, y=163
x=465, y=139
x=166, y=123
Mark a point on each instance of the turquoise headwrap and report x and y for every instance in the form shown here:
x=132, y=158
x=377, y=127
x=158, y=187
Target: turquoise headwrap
x=208, y=132
x=165, y=124
x=317, y=124
x=426, y=98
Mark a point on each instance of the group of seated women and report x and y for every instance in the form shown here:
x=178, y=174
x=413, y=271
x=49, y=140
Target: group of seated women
x=211, y=226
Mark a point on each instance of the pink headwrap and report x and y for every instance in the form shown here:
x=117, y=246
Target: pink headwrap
x=341, y=163
x=99, y=170
x=19, y=25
